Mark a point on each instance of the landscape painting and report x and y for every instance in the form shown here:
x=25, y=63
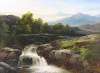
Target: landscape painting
x=49, y=36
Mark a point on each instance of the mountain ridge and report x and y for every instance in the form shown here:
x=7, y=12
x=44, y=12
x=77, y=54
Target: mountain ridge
x=78, y=19
x=95, y=28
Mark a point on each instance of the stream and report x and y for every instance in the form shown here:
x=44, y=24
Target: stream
x=31, y=62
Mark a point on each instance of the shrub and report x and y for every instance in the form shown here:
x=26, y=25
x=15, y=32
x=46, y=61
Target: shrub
x=86, y=54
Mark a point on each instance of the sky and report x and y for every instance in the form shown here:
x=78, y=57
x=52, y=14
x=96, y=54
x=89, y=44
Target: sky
x=50, y=10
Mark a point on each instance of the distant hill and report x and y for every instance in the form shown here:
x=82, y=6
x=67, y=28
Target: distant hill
x=12, y=20
x=9, y=19
x=79, y=19
x=95, y=28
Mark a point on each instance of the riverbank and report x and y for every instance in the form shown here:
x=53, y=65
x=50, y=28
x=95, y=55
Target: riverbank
x=73, y=54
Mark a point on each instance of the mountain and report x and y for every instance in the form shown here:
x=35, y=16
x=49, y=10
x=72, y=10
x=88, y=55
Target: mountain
x=79, y=19
x=95, y=28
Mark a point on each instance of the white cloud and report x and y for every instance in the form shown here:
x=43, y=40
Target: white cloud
x=41, y=8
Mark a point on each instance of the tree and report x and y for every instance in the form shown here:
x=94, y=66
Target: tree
x=4, y=35
x=67, y=29
x=45, y=28
x=26, y=22
x=37, y=25
x=58, y=28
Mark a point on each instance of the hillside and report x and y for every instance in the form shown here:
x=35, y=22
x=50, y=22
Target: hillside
x=79, y=19
x=88, y=47
x=85, y=41
x=9, y=19
x=92, y=28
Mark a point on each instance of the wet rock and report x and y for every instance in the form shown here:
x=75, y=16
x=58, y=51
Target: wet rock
x=64, y=57
x=61, y=54
x=55, y=44
x=45, y=47
x=44, y=50
x=67, y=59
x=6, y=68
x=9, y=56
x=60, y=57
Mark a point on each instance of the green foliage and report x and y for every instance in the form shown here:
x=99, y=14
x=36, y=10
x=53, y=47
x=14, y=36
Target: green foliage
x=28, y=25
x=58, y=28
x=37, y=26
x=3, y=34
x=86, y=54
x=45, y=28
x=69, y=44
x=26, y=22
x=12, y=26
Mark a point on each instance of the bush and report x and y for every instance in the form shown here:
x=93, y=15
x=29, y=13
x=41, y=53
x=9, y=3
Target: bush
x=86, y=54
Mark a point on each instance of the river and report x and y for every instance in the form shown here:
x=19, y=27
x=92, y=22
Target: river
x=31, y=62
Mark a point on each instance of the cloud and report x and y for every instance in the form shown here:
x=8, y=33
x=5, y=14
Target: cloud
x=50, y=9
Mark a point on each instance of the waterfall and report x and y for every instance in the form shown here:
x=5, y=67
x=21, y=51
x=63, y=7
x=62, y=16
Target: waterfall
x=30, y=52
x=39, y=64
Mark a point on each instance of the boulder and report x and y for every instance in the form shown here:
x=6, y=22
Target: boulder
x=9, y=56
x=62, y=54
x=55, y=44
x=44, y=50
x=74, y=58
x=6, y=68
x=63, y=57
x=66, y=59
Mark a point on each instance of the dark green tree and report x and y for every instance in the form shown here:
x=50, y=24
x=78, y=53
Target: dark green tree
x=4, y=35
x=45, y=28
x=26, y=22
x=58, y=28
x=37, y=25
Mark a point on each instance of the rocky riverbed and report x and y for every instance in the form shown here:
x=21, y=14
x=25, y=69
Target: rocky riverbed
x=51, y=52
x=9, y=60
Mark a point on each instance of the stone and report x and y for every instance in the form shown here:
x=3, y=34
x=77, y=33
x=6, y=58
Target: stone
x=6, y=68
x=9, y=58
x=62, y=54
x=44, y=50
x=64, y=58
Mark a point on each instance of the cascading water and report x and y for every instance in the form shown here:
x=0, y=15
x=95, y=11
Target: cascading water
x=39, y=64
x=30, y=53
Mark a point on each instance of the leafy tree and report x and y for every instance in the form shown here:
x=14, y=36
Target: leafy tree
x=3, y=34
x=26, y=22
x=58, y=28
x=37, y=25
x=46, y=28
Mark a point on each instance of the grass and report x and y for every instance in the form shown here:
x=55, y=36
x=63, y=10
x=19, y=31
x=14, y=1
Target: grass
x=67, y=43
x=86, y=43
